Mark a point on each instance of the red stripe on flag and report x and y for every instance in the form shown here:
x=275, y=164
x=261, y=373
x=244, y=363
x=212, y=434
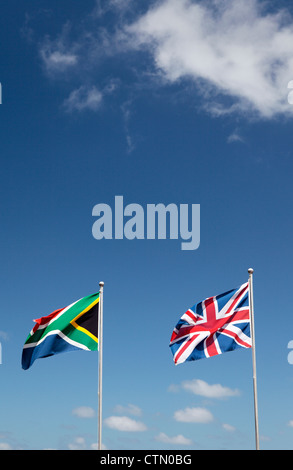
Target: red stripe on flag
x=47, y=319
x=237, y=299
x=211, y=317
x=235, y=337
x=183, y=348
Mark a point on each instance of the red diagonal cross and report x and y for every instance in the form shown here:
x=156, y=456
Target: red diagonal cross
x=211, y=324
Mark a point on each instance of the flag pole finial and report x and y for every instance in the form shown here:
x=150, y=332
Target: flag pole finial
x=250, y=271
x=101, y=284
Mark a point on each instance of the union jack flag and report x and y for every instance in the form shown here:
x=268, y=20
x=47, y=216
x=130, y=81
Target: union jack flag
x=213, y=326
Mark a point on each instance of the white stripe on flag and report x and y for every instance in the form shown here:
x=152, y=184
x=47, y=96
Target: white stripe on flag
x=59, y=333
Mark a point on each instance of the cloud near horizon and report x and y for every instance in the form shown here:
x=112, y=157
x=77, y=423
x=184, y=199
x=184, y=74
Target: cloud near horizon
x=124, y=424
x=194, y=415
x=175, y=440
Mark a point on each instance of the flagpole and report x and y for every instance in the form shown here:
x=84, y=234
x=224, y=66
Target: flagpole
x=100, y=339
x=251, y=308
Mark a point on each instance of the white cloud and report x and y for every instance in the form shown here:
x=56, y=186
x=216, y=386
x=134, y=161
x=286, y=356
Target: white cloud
x=176, y=440
x=5, y=446
x=84, y=412
x=58, y=55
x=126, y=112
x=194, y=415
x=230, y=49
x=129, y=409
x=228, y=427
x=200, y=387
x=104, y=7
x=264, y=438
x=95, y=446
x=238, y=54
x=124, y=423
x=290, y=94
x=235, y=137
x=83, y=98
x=56, y=60
x=290, y=423
x=3, y=335
x=77, y=444
x=174, y=388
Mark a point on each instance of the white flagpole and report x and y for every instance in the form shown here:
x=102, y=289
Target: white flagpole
x=100, y=339
x=251, y=308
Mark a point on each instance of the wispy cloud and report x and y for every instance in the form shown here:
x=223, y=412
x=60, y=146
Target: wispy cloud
x=119, y=5
x=129, y=409
x=4, y=335
x=59, y=55
x=58, y=61
x=228, y=427
x=290, y=94
x=235, y=137
x=126, y=113
x=84, y=412
x=83, y=98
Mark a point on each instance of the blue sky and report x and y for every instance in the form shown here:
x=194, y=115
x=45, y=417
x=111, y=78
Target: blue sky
x=161, y=102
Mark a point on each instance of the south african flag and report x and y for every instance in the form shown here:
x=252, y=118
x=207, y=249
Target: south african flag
x=71, y=328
